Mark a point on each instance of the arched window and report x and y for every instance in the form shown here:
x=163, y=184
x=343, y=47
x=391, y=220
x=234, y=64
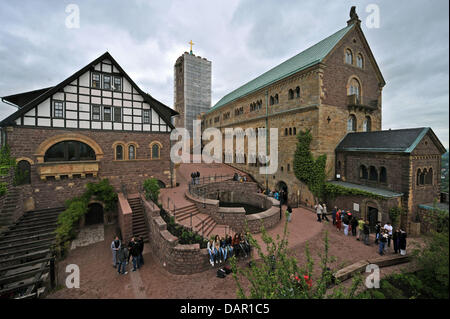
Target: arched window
x=156, y=149
x=276, y=99
x=373, y=174
x=297, y=91
x=367, y=125
x=290, y=131
x=286, y=131
x=422, y=176
x=351, y=123
x=429, y=177
x=69, y=151
x=354, y=88
x=23, y=173
x=291, y=94
x=348, y=56
x=383, y=175
x=419, y=173
x=294, y=131
x=131, y=152
x=359, y=61
x=271, y=100
x=119, y=152
x=363, y=174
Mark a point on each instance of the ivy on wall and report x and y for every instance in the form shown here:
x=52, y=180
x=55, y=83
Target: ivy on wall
x=77, y=207
x=333, y=190
x=307, y=169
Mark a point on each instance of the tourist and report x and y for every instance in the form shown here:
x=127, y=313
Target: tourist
x=236, y=177
x=338, y=220
x=289, y=213
x=333, y=214
x=319, y=210
x=245, y=244
x=223, y=248
x=383, y=239
x=198, y=177
x=115, y=246
x=345, y=222
x=140, y=243
x=377, y=232
x=229, y=245
x=212, y=252
x=122, y=257
x=354, y=225
x=388, y=227
x=366, y=231
x=218, y=248
x=402, y=242
x=193, y=178
x=134, y=253
x=276, y=195
x=235, y=244
x=324, y=212
x=360, y=229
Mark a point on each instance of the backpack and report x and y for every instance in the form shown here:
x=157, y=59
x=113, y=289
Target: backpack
x=221, y=273
x=227, y=269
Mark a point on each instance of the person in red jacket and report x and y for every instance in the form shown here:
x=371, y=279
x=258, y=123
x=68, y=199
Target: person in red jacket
x=338, y=220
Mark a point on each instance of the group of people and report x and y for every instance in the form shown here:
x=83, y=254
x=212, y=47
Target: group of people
x=195, y=178
x=321, y=211
x=221, y=249
x=386, y=234
x=239, y=178
x=278, y=195
x=121, y=254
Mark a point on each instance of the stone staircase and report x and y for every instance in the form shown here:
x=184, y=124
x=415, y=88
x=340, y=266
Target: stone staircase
x=26, y=254
x=10, y=204
x=185, y=212
x=139, y=226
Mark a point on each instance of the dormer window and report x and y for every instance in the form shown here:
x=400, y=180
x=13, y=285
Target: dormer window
x=96, y=80
x=107, y=82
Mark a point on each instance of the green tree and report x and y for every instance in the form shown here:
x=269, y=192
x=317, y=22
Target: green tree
x=307, y=169
x=276, y=275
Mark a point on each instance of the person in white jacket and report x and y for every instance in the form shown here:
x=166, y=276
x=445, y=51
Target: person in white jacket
x=115, y=246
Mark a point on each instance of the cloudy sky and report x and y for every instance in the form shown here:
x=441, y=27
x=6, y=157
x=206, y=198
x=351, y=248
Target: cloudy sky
x=242, y=38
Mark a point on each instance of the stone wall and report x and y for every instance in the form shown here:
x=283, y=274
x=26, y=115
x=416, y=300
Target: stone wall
x=125, y=217
x=174, y=257
x=235, y=217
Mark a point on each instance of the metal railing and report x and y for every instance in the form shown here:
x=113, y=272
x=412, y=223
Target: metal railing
x=357, y=100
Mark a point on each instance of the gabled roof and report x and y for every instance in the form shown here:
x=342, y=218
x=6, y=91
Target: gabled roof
x=24, y=98
x=301, y=61
x=397, y=141
x=163, y=111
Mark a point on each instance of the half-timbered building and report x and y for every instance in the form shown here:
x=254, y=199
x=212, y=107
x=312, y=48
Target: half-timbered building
x=95, y=124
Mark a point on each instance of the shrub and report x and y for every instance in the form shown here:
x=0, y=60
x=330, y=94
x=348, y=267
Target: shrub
x=151, y=189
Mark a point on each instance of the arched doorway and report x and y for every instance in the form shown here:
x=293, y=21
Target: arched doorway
x=282, y=188
x=23, y=172
x=372, y=216
x=161, y=184
x=94, y=214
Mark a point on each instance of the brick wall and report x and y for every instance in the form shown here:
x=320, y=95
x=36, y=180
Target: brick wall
x=52, y=193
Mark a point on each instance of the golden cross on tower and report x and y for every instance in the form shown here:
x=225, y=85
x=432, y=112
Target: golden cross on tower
x=191, y=43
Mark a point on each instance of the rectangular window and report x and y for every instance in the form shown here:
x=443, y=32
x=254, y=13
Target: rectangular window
x=107, y=82
x=96, y=112
x=96, y=80
x=106, y=114
x=146, y=116
x=117, y=83
x=58, y=109
x=117, y=114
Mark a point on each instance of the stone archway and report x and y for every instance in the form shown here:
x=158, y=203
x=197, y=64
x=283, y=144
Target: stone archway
x=371, y=212
x=94, y=215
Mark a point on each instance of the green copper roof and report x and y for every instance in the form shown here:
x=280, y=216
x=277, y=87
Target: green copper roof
x=301, y=61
